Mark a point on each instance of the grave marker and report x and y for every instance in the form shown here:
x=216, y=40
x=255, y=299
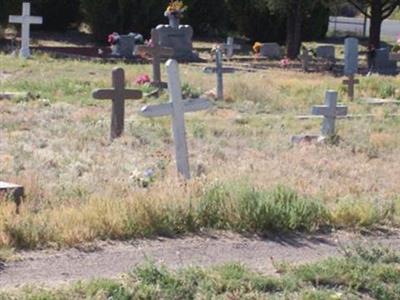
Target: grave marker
x=230, y=47
x=177, y=109
x=157, y=53
x=13, y=191
x=271, y=50
x=219, y=70
x=118, y=95
x=350, y=82
x=26, y=20
x=305, y=58
x=351, y=65
x=330, y=111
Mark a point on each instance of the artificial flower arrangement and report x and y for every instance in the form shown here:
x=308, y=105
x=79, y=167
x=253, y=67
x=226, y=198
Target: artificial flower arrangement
x=175, y=8
x=396, y=48
x=257, y=47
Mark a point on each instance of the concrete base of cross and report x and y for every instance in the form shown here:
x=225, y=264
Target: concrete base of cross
x=12, y=191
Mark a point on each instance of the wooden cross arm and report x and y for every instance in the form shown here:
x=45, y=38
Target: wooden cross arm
x=210, y=70
x=192, y=105
x=322, y=110
x=347, y=81
x=104, y=94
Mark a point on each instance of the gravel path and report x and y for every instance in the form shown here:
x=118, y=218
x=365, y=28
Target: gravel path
x=51, y=268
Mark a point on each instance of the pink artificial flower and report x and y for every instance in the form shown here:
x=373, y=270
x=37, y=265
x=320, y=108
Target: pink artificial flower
x=142, y=80
x=149, y=43
x=113, y=38
x=284, y=62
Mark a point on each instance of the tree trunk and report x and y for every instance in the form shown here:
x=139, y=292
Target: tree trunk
x=293, y=27
x=376, y=24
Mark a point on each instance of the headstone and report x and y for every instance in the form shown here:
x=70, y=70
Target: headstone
x=330, y=111
x=350, y=56
x=26, y=20
x=177, y=109
x=157, y=53
x=125, y=45
x=326, y=52
x=118, y=95
x=12, y=191
x=306, y=59
x=219, y=70
x=178, y=37
x=271, y=50
x=383, y=64
x=230, y=47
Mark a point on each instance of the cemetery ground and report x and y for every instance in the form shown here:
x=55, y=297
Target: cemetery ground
x=248, y=178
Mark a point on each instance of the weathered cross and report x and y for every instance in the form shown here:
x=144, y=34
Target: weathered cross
x=350, y=82
x=305, y=58
x=177, y=109
x=26, y=20
x=330, y=111
x=118, y=95
x=230, y=47
x=157, y=53
x=219, y=70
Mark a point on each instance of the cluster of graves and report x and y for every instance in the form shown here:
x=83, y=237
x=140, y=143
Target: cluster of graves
x=174, y=41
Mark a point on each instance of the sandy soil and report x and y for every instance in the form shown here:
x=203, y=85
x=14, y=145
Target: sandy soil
x=109, y=260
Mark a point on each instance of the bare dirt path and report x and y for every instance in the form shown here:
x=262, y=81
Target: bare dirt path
x=52, y=268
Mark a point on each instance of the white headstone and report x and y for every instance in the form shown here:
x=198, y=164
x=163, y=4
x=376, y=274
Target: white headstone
x=26, y=20
x=330, y=111
x=177, y=107
x=350, y=56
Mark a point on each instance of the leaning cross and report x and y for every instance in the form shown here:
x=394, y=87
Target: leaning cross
x=177, y=109
x=118, y=95
x=350, y=82
x=330, y=111
x=26, y=20
x=219, y=70
x=230, y=47
x=157, y=53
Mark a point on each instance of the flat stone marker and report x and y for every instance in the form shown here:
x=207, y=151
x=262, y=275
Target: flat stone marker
x=271, y=50
x=118, y=95
x=26, y=20
x=12, y=191
x=177, y=109
x=157, y=53
x=219, y=70
x=330, y=111
x=230, y=47
x=377, y=101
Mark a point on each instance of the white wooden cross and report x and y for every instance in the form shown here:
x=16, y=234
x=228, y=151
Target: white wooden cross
x=26, y=20
x=230, y=47
x=157, y=52
x=219, y=70
x=177, y=109
x=330, y=111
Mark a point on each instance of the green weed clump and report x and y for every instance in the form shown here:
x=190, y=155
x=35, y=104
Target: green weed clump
x=363, y=273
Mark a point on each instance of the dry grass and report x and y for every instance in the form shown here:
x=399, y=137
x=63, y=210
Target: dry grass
x=80, y=187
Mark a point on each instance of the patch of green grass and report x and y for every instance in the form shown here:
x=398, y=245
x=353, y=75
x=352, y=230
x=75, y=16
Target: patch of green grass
x=363, y=272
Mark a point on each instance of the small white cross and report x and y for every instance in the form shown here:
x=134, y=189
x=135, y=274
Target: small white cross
x=26, y=20
x=330, y=111
x=177, y=109
x=230, y=47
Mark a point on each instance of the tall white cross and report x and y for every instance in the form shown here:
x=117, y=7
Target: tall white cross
x=26, y=20
x=177, y=107
x=330, y=111
x=230, y=47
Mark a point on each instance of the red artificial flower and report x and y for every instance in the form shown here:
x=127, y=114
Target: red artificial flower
x=142, y=79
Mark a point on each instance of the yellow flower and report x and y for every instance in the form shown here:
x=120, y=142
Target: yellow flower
x=176, y=6
x=257, y=47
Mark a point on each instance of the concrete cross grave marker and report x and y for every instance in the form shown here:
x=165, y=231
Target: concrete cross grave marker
x=118, y=94
x=230, y=47
x=219, y=70
x=177, y=109
x=330, y=111
x=157, y=52
x=26, y=20
x=351, y=65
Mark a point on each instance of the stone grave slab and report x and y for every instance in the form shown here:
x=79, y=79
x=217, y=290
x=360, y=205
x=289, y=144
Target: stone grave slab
x=383, y=64
x=271, y=50
x=350, y=56
x=326, y=52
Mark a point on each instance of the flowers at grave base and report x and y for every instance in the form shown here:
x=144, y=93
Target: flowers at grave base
x=257, y=47
x=142, y=80
x=396, y=48
x=284, y=63
x=113, y=38
x=175, y=8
